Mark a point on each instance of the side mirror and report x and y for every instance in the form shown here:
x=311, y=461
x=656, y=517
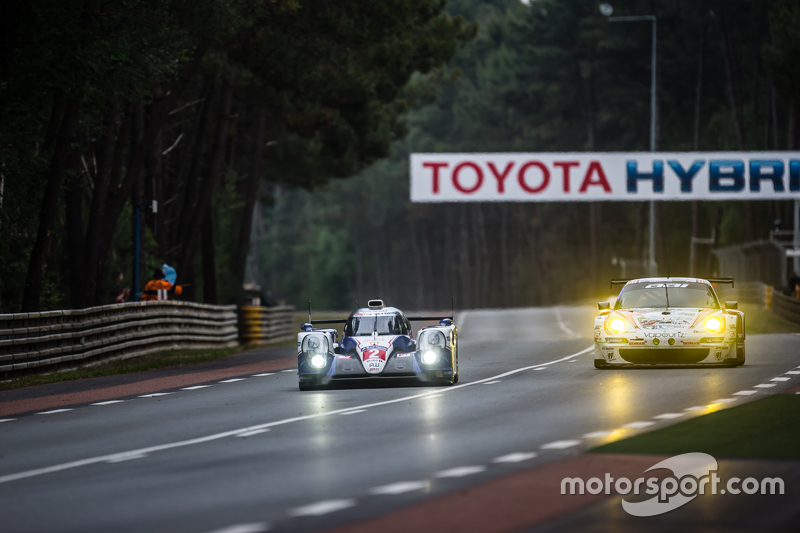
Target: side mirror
x=445, y=322
x=603, y=306
x=306, y=327
x=731, y=305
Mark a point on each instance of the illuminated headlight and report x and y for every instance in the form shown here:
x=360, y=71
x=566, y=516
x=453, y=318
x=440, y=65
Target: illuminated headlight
x=429, y=357
x=714, y=324
x=315, y=349
x=616, y=324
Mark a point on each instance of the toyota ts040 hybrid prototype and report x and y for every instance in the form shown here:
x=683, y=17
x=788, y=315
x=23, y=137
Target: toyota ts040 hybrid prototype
x=671, y=322
x=377, y=343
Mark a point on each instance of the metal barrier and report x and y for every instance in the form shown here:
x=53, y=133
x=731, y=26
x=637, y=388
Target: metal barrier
x=57, y=339
x=749, y=292
x=786, y=307
x=266, y=324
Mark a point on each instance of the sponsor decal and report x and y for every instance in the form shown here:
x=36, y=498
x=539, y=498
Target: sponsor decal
x=693, y=474
x=665, y=285
x=637, y=343
x=374, y=353
x=403, y=355
x=690, y=343
x=665, y=335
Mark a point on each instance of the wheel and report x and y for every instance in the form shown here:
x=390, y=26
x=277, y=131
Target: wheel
x=455, y=377
x=600, y=364
x=740, y=355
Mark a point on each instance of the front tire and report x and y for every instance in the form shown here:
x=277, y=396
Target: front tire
x=600, y=364
x=740, y=355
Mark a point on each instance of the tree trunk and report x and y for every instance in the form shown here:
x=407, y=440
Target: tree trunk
x=250, y=194
x=74, y=231
x=698, y=100
x=33, y=282
x=209, y=265
x=214, y=169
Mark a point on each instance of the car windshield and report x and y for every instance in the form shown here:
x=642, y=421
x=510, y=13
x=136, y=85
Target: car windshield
x=359, y=326
x=644, y=295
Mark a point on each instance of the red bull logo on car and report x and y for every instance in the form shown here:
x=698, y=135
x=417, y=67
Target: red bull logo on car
x=612, y=176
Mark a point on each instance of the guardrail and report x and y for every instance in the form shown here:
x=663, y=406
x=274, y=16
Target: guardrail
x=57, y=339
x=786, y=307
x=266, y=324
x=749, y=292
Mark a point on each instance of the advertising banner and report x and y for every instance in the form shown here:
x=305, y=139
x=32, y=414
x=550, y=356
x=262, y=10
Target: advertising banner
x=599, y=176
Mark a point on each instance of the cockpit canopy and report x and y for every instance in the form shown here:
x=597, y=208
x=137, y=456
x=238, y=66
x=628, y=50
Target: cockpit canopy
x=678, y=294
x=364, y=323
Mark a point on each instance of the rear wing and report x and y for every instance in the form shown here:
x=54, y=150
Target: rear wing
x=429, y=318
x=710, y=280
x=724, y=281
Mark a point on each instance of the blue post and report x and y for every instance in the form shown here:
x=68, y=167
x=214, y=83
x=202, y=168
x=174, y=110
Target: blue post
x=135, y=282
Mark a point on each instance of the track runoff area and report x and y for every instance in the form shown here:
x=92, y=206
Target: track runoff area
x=252, y=453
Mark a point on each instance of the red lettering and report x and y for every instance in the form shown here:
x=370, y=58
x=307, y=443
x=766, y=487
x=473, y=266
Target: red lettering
x=435, y=167
x=565, y=166
x=501, y=178
x=477, y=170
x=545, y=177
x=595, y=168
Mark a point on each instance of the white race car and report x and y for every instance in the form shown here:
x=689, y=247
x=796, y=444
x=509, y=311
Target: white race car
x=669, y=322
x=377, y=343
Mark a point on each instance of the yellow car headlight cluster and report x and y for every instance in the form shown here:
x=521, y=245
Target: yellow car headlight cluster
x=616, y=324
x=714, y=324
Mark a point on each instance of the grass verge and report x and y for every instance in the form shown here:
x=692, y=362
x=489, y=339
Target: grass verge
x=768, y=428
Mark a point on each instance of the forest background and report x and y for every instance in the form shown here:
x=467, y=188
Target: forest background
x=274, y=137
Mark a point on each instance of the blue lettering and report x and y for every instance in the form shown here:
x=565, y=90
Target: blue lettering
x=756, y=175
x=657, y=176
x=794, y=175
x=726, y=169
x=686, y=176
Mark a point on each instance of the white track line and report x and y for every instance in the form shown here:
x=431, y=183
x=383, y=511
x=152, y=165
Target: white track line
x=231, y=433
x=668, y=416
x=560, y=444
x=723, y=400
x=195, y=387
x=353, y=412
x=492, y=382
x=461, y=471
x=764, y=386
x=243, y=528
x=323, y=507
x=793, y=372
x=780, y=379
x=401, y=487
x=251, y=433
x=562, y=325
x=54, y=411
x=514, y=457
x=264, y=374
x=7, y=420
x=154, y=395
x=639, y=425
x=109, y=402
x=597, y=434
x=745, y=392
x=234, y=380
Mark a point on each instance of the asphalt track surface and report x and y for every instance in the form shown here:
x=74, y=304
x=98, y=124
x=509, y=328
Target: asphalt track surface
x=256, y=454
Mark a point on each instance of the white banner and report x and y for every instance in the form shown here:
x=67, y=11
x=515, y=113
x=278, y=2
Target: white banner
x=598, y=176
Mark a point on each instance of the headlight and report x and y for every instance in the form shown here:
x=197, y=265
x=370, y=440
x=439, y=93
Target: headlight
x=714, y=324
x=315, y=349
x=616, y=324
x=431, y=344
x=429, y=357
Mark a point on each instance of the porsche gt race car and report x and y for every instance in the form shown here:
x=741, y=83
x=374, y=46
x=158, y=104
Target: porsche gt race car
x=669, y=321
x=377, y=342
